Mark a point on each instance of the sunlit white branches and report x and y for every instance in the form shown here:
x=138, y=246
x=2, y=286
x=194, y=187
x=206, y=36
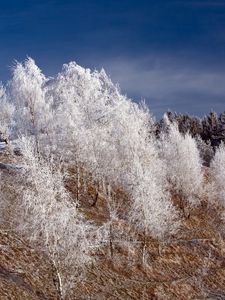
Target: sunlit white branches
x=50, y=219
x=184, y=166
x=217, y=171
x=6, y=114
x=113, y=139
x=33, y=109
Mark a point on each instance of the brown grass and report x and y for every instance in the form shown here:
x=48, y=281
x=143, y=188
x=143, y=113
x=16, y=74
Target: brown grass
x=190, y=265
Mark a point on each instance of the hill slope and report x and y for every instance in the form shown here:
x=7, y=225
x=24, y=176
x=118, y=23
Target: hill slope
x=188, y=266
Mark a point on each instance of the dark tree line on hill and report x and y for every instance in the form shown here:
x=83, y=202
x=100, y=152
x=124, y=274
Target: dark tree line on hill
x=209, y=131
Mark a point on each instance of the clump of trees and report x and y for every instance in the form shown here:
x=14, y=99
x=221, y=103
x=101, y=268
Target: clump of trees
x=181, y=153
x=33, y=113
x=50, y=219
x=210, y=128
x=208, y=131
x=81, y=118
x=217, y=170
x=6, y=115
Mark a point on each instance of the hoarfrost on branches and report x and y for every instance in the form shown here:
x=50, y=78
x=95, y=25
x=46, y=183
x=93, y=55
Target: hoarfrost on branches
x=184, y=166
x=50, y=219
x=217, y=171
x=6, y=115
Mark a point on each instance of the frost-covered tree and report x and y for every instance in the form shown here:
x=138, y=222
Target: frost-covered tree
x=84, y=102
x=111, y=137
x=217, y=171
x=6, y=115
x=184, y=166
x=205, y=149
x=50, y=220
x=101, y=130
x=33, y=114
x=152, y=210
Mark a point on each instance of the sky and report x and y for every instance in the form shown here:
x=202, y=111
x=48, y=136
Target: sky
x=170, y=53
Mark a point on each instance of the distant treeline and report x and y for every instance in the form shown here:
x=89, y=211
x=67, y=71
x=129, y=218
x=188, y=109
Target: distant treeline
x=209, y=131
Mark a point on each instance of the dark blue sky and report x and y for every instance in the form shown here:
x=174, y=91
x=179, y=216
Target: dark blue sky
x=171, y=53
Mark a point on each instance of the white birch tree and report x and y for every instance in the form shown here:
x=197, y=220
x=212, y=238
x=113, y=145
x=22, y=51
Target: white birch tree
x=33, y=114
x=184, y=165
x=6, y=115
x=50, y=220
x=217, y=176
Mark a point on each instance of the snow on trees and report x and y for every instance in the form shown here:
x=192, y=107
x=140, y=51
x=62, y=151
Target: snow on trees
x=205, y=149
x=99, y=129
x=82, y=118
x=6, y=115
x=217, y=171
x=48, y=217
x=184, y=166
x=33, y=112
x=112, y=137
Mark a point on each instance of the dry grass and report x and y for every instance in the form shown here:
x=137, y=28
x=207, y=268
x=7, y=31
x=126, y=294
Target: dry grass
x=24, y=272
x=190, y=265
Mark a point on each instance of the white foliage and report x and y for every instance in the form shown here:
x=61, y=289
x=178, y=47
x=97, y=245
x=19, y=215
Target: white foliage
x=217, y=171
x=184, y=166
x=50, y=220
x=6, y=113
x=152, y=209
x=33, y=109
x=205, y=149
x=112, y=140
x=84, y=120
x=95, y=126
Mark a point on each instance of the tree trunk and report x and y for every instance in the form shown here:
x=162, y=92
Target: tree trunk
x=58, y=280
x=111, y=240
